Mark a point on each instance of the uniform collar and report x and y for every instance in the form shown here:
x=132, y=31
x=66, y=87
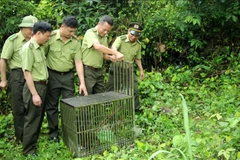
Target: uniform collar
x=21, y=36
x=95, y=30
x=58, y=34
x=59, y=37
x=127, y=40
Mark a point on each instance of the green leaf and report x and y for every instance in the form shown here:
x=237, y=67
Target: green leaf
x=223, y=124
x=234, y=18
x=106, y=136
x=140, y=145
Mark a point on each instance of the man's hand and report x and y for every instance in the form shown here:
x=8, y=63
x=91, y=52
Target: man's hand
x=113, y=58
x=37, y=100
x=82, y=89
x=120, y=56
x=3, y=85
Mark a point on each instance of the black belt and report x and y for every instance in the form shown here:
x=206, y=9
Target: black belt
x=92, y=68
x=16, y=69
x=41, y=82
x=62, y=73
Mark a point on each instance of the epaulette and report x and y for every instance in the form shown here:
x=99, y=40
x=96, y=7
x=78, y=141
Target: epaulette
x=123, y=37
x=75, y=37
x=30, y=45
x=13, y=37
x=53, y=33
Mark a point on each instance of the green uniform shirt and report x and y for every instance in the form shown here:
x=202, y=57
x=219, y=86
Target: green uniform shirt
x=34, y=60
x=90, y=56
x=61, y=55
x=131, y=51
x=12, y=48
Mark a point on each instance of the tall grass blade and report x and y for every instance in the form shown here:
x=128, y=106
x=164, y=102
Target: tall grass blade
x=158, y=152
x=185, y=158
x=186, y=126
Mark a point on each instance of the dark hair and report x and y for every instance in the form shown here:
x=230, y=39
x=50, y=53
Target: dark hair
x=106, y=18
x=42, y=27
x=70, y=21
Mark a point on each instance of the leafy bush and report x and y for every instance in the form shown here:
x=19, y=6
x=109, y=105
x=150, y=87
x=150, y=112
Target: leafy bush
x=4, y=102
x=11, y=14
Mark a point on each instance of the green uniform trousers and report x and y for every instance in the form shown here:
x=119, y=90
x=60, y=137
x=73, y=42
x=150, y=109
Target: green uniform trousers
x=110, y=87
x=94, y=80
x=33, y=118
x=16, y=83
x=59, y=84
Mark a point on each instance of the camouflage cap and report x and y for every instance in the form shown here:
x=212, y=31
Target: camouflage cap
x=28, y=21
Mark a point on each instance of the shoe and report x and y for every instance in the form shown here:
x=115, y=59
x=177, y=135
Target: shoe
x=138, y=111
x=55, y=139
x=34, y=155
x=31, y=155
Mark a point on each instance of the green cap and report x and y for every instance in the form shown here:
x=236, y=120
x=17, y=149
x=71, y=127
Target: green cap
x=28, y=21
x=135, y=28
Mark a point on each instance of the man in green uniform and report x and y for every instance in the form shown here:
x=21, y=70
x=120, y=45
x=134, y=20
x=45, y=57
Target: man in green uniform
x=34, y=91
x=130, y=47
x=10, y=55
x=94, y=50
x=63, y=50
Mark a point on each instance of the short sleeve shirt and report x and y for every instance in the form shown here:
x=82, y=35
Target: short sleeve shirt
x=131, y=51
x=90, y=56
x=34, y=60
x=61, y=55
x=11, y=50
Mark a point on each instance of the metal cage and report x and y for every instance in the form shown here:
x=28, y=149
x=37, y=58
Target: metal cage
x=93, y=123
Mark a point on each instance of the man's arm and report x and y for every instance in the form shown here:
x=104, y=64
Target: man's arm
x=35, y=97
x=108, y=51
x=139, y=63
x=3, y=68
x=80, y=72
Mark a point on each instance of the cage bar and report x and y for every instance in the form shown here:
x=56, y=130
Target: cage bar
x=92, y=124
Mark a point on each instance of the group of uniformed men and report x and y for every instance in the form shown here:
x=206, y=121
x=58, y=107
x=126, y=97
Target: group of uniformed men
x=41, y=64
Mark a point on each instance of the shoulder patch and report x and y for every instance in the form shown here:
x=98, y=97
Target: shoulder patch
x=30, y=45
x=13, y=37
x=123, y=37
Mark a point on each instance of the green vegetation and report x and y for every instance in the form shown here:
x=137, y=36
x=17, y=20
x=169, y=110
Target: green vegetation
x=190, y=48
x=213, y=107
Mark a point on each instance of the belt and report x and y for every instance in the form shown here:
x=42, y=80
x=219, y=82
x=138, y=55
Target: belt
x=62, y=73
x=16, y=69
x=42, y=82
x=92, y=68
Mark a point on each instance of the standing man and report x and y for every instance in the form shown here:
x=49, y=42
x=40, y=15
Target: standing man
x=94, y=50
x=10, y=55
x=63, y=50
x=130, y=47
x=34, y=91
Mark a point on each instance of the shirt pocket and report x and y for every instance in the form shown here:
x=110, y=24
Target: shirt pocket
x=70, y=54
x=39, y=58
x=133, y=52
x=55, y=52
